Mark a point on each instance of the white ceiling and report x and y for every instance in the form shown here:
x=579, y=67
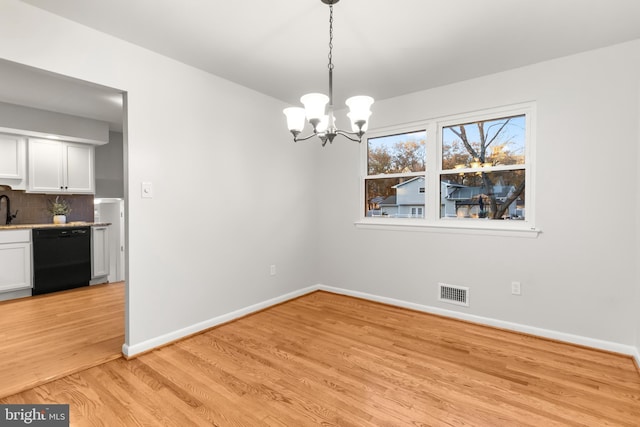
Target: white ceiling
x=31, y=87
x=382, y=48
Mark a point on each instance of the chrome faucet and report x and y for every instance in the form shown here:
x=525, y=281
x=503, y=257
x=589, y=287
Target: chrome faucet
x=10, y=217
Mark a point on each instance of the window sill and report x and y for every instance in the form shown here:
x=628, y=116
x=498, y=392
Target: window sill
x=513, y=230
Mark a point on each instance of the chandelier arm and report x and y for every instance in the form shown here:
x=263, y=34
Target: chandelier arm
x=303, y=138
x=353, y=136
x=357, y=136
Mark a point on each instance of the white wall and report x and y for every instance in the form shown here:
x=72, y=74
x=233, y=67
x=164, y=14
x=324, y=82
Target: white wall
x=110, y=167
x=40, y=122
x=579, y=275
x=231, y=191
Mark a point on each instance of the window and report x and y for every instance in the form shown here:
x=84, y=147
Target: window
x=471, y=171
x=483, y=165
x=395, y=175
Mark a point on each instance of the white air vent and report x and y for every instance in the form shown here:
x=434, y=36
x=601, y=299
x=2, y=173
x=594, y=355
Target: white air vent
x=452, y=294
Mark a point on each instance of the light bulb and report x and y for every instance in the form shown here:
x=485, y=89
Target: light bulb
x=323, y=125
x=354, y=126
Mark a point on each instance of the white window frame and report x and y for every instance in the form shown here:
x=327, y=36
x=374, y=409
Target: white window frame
x=433, y=149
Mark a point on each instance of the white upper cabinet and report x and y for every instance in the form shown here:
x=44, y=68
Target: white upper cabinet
x=45, y=166
x=60, y=167
x=78, y=162
x=13, y=161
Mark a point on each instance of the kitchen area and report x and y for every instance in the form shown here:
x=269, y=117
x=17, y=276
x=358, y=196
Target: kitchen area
x=61, y=184
x=41, y=253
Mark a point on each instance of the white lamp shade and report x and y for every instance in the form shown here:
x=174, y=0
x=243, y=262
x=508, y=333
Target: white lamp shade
x=314, y=105
x=359, y=107
x=323, y=125
x=295, y=118
x=354, y=127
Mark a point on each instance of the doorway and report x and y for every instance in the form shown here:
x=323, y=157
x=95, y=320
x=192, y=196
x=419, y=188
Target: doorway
x=32, y=89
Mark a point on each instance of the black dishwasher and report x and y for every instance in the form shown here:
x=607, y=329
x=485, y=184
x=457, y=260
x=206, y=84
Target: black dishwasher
x=61, y=259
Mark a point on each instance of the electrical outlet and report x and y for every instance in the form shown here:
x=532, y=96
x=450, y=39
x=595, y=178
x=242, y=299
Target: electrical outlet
x=272, y=269
x=515, y=288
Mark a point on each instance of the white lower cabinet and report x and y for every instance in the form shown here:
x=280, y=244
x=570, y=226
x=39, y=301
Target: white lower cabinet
x=15, y=259
x=99, y=254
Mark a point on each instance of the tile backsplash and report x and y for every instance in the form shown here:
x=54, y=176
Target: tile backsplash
x=32, y=208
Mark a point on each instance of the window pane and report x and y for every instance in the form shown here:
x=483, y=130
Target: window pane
x=492, y=195
x=484, y=143
x=395, y=197
x=401, y=153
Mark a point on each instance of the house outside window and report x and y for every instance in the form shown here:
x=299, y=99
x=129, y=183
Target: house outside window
x=467, y=171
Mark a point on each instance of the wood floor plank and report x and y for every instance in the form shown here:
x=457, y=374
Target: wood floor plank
x=50, y=336
x=331, y=360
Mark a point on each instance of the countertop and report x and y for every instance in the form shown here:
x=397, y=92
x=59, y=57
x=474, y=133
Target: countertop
x=50, y=225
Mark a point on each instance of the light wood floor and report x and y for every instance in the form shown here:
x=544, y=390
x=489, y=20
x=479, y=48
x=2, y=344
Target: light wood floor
x=49, y=336
x=325, y=359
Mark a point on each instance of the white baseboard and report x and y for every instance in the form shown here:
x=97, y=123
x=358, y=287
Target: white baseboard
x=144, y=346
x=130, y=351
x=531, y=330
x=636, y=356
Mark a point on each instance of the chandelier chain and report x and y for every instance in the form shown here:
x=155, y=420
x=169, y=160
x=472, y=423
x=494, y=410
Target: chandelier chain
x=330, y=65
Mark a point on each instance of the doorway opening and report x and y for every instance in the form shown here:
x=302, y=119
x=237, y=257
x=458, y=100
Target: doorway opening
x=46, y=105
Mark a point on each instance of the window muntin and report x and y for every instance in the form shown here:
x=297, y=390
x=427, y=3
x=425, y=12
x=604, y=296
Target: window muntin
x=496, y=179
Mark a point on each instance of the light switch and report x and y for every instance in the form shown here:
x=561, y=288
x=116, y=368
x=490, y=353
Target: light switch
x=147, y=190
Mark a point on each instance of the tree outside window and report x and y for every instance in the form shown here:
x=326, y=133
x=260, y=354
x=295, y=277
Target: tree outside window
x=489, y=157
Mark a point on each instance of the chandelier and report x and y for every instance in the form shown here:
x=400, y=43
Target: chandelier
x=315, y=104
